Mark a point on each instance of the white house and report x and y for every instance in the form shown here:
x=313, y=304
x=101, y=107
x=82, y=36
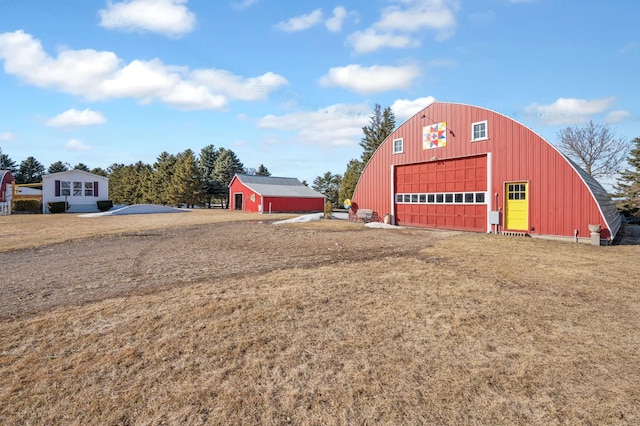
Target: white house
x=82, y=190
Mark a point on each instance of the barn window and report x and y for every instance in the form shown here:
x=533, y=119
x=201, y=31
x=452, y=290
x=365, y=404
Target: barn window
x=431, y=198
x=407, y=198
x=414, y=198
x=458, y=198
x=439, y=198
x=423, y=198
x=65, y=188
x=398, y=146
x=479, y=197
x=398, y=198
x=448, y=198
x=479, y=131
x=468, y=197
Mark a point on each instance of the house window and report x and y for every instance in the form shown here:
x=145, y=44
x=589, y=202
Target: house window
x=77, y=189
x=88, y=189
x=65, y=188
x=398, y=146
x=479, y=131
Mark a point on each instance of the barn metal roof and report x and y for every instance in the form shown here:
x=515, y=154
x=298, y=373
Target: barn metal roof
x=607, y=207
x=270, y=186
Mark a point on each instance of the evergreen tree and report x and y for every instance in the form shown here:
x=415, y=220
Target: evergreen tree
x=30, y=171
x=58, y=167
x=328, y=185
x=350, y=180
x=161, y=180
x=227, y=166
x=7, y=163
x=81, y=166
x=186, y=182
x=628, y=187
x=207, y=162
x=262, y=171
x=381, y=125
x=126, y=183
x=99, y=171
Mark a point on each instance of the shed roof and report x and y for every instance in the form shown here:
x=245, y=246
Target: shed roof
x=269, y=186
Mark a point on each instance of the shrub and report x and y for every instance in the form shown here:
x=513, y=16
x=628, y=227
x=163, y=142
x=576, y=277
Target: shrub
x=105, y=205
x=27, y=206
x=58, y=206
x=328, y=209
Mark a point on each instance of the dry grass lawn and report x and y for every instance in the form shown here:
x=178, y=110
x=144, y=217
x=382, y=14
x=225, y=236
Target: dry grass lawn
x=374, y=327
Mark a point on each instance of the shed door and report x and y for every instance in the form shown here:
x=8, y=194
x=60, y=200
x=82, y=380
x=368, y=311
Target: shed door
x=517, y=206
x=237, y=202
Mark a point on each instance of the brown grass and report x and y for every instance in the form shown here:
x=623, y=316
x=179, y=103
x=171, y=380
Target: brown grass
x=470, y=329
x=24, y=231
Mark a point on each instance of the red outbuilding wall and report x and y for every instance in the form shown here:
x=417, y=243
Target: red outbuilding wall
x=560, y=200
x=246, y=199
x=5, y=183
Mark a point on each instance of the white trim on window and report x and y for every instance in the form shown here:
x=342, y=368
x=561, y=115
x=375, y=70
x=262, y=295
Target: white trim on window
x=479, y=131
x=398, y=146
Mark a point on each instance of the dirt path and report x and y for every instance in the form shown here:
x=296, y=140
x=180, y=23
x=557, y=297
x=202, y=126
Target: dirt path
x=93, y=269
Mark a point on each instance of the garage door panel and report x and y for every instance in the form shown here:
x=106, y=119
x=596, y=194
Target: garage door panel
x=461, y=178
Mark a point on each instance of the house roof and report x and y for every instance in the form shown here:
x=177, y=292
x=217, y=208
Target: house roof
x=269, y=186
x=74, y=171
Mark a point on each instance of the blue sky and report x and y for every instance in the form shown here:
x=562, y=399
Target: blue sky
x=290, y=84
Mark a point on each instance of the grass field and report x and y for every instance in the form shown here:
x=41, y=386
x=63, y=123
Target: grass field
x=447, y=328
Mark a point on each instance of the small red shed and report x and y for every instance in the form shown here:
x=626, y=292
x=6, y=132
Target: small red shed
x=458, y=166
x=266, y=194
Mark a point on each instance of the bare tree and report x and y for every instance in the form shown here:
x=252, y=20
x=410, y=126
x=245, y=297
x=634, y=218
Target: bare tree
x=594, y=147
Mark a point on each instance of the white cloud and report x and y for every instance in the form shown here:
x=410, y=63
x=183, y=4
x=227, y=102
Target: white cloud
x=373, y=79
x=403, y=25
x=334, y=24
x=617, y=116
x=371, y=40
x=302, y=22
x=76, y=145
x=335, y=125
x=403, y=109
x=236, y=87
x=7, y=137
x=569, y=110
x=169, y=17
x=96, y=75
x=74, y=117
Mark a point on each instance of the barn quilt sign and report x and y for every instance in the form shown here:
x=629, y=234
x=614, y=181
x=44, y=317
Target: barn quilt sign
x=434, y=135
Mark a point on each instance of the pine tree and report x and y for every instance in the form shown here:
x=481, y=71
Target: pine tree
x=207, y=162
x=186, y=182
x=163, y=171
x=350, y=180
x=328, y=185
x=7, y=163
x=628, y=187
x=81, y=166
x=30, y=171
x=227, y=166
x=381, y=126
x=58, y=167
x=262, y=171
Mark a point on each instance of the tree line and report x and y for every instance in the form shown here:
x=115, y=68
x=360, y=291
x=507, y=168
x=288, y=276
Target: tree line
x=181, y=179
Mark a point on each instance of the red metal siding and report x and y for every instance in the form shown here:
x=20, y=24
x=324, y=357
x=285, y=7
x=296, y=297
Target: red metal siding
x=559, y=201
x=286, y=204
x=252, y=201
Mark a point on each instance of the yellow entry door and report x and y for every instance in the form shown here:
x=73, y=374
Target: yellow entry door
x=516, y=216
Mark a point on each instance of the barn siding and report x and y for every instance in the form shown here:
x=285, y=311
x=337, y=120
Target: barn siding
x=559, y=201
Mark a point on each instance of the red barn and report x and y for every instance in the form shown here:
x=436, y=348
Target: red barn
x=463, y=167
x=266, y=194
x=6, y=178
